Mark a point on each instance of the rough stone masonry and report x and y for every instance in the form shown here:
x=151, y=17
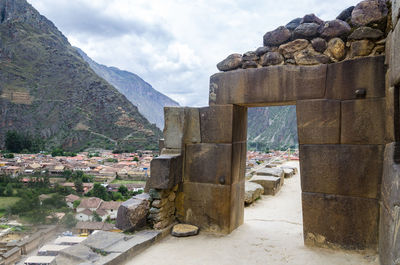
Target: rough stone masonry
x=343, y=76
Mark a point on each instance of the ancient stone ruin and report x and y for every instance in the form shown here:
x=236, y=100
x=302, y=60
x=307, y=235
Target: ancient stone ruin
x=344, y=78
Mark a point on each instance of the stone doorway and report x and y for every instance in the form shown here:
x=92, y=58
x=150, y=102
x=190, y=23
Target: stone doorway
x=341, y=131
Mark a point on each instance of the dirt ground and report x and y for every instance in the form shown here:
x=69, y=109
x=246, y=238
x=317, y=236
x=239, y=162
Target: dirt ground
x=271, y=234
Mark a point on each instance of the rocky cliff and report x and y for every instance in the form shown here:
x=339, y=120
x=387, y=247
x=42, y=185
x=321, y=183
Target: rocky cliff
x=47, y=89
x=149, y=101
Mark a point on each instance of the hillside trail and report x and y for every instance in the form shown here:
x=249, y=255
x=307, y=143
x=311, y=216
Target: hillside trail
x=272, y=234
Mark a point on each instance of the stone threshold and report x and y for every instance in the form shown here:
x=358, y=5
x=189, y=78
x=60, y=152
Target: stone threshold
x=110, y=248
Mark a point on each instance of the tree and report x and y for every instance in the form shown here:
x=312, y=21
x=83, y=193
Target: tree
x=100, y=192
x=9, y=155
x=57, y=152
x=78, y=185
x=76, y=204
x=123, y=190
x=9, y=190
x=96, y=217
x=136, y=159
x=13, y=142
x=69, y=220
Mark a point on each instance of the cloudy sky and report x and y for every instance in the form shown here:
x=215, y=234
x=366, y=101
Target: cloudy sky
x=175, y=44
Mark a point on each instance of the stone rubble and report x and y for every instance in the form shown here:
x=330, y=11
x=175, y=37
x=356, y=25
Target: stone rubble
x=356, y=32
x=162, y=211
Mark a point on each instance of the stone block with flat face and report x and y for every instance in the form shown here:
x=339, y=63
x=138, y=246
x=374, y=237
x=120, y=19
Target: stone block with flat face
x=182, y=125
x=389, y=237
x=270, y=184
x=213, y=208
x=345, y=78
x=363, y=121
x=274, y=84
x=318, y=121
x=394, y=63
x=351, y=170
x=239, y=151
x=340, y=221
x=390, y=193
x=166, y=172
x=223, y=124
x=173, y=127
x=208, y=163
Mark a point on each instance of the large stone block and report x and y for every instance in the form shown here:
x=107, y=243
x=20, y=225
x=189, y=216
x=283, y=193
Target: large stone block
x=182, y=125
x=132, y=213
x=389, y=237
x=270, y=184
x=214, y=208
x=318, y=121
x=351, y=170
x=208, y=163
x=274, y=84
x=340, y=221
x=345, y=78
x=395, y=11
x=395, y=56
x=363, y=121
x=166, y=172
x=239, y=152
x=223, y=124
x=391, y=176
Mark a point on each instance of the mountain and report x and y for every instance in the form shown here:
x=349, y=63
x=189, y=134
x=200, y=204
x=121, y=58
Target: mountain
x=272, y=128
x=149, y=101
x=48, y=90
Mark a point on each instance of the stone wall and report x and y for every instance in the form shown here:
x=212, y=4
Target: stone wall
x=356, y=32
x=389, y=236
x=347, y=111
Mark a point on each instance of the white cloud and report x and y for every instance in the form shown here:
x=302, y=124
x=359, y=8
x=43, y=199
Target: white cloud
x=175, y=44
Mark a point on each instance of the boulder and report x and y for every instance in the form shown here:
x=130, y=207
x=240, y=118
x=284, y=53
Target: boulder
x=250, y=56
x=369, y=11
x=345, y=14
x=311, y=18
x=262, y=50
x=309, y=56
x=232, y=62
x=295, y=170
x=306, y=31
x=365, y=33
x=277, y=36
x=319, y=44
x=252, y=191
x=271, y=58
x=336, y=49
x=288, y=49
x=270, y=184
x=293, y=24
x=249, y=64
x=288, y=172
x=334, y=28
x=361, y=48
x=183, y=230
x=132, y=213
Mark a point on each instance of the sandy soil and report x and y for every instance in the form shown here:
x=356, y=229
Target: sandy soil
x=272, y=234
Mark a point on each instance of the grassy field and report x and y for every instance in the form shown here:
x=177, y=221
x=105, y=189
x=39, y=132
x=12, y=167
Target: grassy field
x=6, y=202
x=120, y=181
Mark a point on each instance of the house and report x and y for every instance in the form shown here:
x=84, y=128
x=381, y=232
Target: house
x=111, y=208
x=90, y=227
x=91, y=204
x=12, y=171
x=85, y=215
x=70, y=199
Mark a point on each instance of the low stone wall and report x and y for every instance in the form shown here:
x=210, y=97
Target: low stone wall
x=356, y=32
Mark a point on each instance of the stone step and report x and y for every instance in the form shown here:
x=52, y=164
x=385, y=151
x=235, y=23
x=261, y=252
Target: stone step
x=252, y=191
x=275, y=172
x=270, y=184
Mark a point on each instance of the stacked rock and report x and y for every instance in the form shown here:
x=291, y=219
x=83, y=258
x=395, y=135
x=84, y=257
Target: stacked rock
x=162, y=209
x=357, y=31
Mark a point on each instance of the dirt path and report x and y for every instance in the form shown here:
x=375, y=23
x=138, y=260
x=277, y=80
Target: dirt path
x=272, y=234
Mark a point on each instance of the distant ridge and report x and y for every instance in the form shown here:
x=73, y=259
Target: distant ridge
x=149, y=101
x=48, y=90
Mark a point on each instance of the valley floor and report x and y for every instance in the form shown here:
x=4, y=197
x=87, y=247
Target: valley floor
x=272, y=234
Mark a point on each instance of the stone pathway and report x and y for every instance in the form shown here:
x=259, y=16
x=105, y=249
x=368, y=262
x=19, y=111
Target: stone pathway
x=272, y=234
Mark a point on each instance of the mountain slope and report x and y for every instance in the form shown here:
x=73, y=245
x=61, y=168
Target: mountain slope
x=47, y=89
x=272, y=128
x=149, y=101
